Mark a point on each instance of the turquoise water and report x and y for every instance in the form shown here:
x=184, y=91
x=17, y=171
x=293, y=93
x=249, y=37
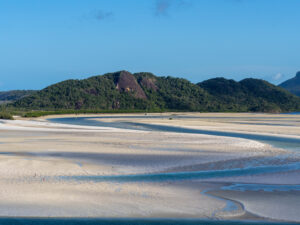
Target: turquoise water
x=133, y=221
x=285, y=142
x=162, y=177
x=292, y=113
x=261, y=187
x=290, y=143
x=257, y=137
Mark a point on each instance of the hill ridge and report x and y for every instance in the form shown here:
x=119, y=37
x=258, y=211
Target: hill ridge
x=292, y=85
x=123, y=90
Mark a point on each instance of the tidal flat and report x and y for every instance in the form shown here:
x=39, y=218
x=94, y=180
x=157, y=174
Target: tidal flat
x=215, y=166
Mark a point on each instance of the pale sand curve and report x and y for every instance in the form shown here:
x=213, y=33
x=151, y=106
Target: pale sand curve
x=268, y=204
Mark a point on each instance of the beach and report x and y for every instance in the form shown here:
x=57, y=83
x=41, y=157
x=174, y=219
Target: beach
x=101, y=166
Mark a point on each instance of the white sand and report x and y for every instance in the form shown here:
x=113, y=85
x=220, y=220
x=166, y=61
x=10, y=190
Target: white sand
x=278, y=205
x=34, y=152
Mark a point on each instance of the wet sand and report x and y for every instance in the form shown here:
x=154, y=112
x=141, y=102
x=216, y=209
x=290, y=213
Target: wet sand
x=277, y=205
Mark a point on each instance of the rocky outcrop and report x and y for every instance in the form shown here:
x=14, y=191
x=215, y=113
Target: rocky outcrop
x=126, y=82
x=149, y=83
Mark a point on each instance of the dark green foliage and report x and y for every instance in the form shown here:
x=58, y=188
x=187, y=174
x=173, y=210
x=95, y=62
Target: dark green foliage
x=252, y=95
x=100, y=93
x=59, y=112
x=180, y=94
x=97, y=92
x=269, y=98
x=141, y=92
x=6, y=96
x=6, y=115
x=292, y=85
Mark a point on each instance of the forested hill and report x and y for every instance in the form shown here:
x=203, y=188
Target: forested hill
x=145, y=91
x=250, y=94
x=120, y=90
x=7, y=96
x=292, y=85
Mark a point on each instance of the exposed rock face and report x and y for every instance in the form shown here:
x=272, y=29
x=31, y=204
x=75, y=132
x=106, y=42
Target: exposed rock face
x=149, y=83
x=126, y=82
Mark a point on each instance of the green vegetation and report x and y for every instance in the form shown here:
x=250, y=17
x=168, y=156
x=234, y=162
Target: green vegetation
x=7, y=96
x=6, y=115
x=144, y=92
x=60, y=112
x=101, y=93
x=250, y=95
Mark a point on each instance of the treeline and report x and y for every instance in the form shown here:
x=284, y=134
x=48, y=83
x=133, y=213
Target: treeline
x=6, y=96
x=6, y=115
x=83, y=111
x=250, y=95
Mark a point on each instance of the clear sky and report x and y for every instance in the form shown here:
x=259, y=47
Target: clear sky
x=46, y=41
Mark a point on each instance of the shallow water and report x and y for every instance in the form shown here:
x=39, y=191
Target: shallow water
x=280, y=142
x=293, y=143
x=292, y=113
x=261, y=187
x=162, y=177
x=131, y=221
x=248, y=170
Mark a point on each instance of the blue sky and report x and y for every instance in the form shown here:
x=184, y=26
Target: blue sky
x=47, y=41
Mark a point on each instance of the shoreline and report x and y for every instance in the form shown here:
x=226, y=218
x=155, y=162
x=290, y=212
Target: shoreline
x=133, y=220
x=200, y=114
